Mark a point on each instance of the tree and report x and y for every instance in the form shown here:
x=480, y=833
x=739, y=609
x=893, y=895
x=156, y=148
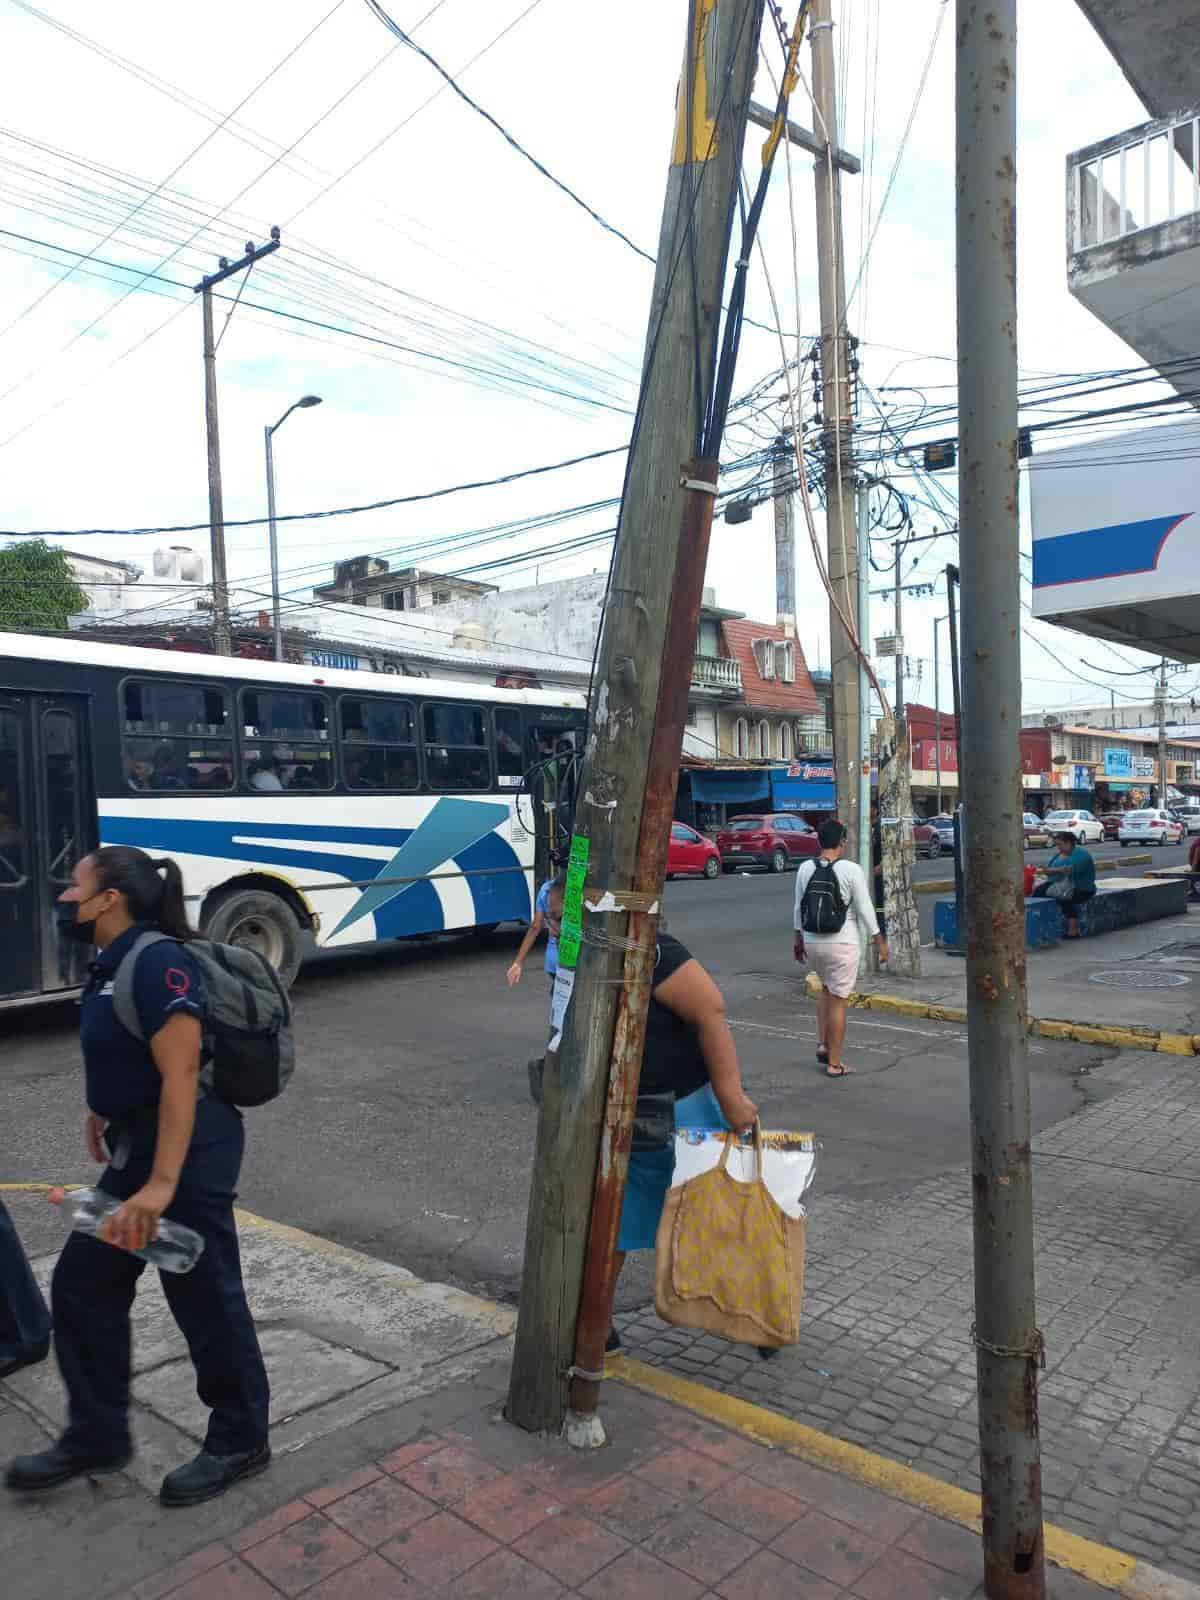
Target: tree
x=37, y=588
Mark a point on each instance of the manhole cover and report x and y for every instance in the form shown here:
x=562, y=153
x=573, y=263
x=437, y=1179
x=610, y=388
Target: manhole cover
x=1140, y=980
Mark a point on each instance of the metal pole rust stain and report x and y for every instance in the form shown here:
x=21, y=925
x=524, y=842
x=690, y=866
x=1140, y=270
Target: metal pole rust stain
x=595, y=1307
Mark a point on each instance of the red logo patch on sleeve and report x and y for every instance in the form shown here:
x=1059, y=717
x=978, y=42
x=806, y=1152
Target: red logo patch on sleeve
x=178, y=982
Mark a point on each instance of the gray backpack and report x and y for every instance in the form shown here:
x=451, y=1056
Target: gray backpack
x=248, y=1046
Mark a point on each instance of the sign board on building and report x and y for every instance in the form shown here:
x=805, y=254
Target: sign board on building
x=1118, y=763
x=1116, y=537
x=1143, y=766
x=885, y=645
x=1083, y=777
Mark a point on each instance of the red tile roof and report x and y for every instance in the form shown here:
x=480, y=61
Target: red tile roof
x=768, y=694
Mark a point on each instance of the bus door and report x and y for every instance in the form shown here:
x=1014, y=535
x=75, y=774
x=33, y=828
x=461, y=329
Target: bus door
x=47, y=821
x=554, y=742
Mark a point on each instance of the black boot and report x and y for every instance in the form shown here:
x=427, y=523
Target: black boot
x=49, y=1468
x=208, y=1476
x=28, y=1358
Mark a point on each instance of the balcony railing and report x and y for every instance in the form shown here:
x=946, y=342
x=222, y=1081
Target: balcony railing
x=1139, y=179
x=717, y=672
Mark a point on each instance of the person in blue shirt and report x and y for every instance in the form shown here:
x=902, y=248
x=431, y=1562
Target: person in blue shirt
x=546, y=918
x=172, y=1150
x=24, y=1318
x=1077, y=865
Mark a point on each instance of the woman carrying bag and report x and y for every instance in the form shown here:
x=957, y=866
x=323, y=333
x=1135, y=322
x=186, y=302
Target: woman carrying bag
x=173, y=1150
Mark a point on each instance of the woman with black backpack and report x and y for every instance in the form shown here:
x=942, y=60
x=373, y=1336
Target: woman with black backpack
x=833, y=915
x=173, y=1150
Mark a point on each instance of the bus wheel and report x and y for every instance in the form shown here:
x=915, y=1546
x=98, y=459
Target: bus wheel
x=259, y=921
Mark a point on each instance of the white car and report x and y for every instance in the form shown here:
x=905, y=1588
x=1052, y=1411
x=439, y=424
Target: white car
x=1086, y=828
x=1150, y=827
x=1190, y=817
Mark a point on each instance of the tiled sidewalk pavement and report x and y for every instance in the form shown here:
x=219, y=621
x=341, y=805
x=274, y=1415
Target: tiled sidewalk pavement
x=885, y=1361
x=674, y=1508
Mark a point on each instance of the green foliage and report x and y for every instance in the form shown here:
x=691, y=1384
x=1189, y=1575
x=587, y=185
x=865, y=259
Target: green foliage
x=36, y=587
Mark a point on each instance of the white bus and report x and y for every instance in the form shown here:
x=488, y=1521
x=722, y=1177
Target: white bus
x=297, y=800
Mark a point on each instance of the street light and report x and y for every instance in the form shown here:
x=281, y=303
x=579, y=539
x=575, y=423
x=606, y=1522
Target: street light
x=298, y=405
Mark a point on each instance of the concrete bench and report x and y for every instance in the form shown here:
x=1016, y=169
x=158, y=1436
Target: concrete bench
x=1121, y=903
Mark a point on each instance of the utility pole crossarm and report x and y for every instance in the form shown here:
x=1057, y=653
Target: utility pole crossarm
x=761, y=117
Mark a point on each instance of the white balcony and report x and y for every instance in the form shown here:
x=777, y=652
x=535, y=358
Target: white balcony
x=720, y=675
x=1133, y=240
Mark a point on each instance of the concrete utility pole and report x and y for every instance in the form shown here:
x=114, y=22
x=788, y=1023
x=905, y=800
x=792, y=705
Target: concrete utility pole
x=1007, y=1339
x=1160, y=705
x=895, y=817
x=222, y=632
x=630, y=768
x=840, y=519
x=783, y=491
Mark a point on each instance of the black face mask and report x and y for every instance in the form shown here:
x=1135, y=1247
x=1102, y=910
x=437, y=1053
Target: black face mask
x=66, y=915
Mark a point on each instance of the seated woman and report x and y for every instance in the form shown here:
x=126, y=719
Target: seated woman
x=1072, y=863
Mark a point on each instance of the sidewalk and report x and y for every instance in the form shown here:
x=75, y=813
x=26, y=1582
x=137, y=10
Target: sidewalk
x=675, y=1508
x=1145, y=977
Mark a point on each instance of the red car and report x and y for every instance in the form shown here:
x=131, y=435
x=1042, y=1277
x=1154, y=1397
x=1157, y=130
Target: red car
x=690, y=852
x=773, y=841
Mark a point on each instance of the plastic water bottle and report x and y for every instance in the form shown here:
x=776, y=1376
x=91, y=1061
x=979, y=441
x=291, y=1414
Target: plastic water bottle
x=177, y=1249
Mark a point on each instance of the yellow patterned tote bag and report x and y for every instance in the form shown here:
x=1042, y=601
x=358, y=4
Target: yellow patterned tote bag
x=728, y=1258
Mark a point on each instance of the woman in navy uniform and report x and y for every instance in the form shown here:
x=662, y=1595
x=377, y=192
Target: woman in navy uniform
x=173, y=1150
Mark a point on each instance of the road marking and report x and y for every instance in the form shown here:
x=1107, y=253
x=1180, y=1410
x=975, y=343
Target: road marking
x=1111, y=1569
x=859, y=1022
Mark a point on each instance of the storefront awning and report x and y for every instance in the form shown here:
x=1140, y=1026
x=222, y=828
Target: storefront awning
x=730, y=788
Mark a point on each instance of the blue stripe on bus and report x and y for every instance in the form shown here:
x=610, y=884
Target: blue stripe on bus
x=458, y=830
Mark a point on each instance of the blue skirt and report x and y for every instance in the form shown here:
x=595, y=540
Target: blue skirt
x=651, y=1171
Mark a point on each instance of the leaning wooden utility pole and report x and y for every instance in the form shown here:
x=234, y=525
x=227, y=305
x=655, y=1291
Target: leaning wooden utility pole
x=840, y=487
x=1008, y=1343
x=222, y=631
x=631, y=763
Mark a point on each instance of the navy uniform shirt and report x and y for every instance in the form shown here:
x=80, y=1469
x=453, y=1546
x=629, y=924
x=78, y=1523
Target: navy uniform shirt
x=120, y=1071
x=673, y=1060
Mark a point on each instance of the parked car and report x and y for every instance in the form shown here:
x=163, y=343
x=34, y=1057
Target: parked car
x=1111, y=822
x=1086, y=828
x=690, y=852
x=1036, y=833
x=773, y=841
x=1150, y=827
x=927, y=841
x=943, y=826
x=1189, y=816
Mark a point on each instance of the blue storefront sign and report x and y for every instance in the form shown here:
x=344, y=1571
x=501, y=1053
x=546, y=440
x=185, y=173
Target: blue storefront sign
x=804, y=786
x=1118, y=763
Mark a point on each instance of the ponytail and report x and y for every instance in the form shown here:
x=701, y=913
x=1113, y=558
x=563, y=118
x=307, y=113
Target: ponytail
x=152, y=889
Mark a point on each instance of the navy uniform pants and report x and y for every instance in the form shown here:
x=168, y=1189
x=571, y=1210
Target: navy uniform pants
x=24, y=1320
x=94, y=1285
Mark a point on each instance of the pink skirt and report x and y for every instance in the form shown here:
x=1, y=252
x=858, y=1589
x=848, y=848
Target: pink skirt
x=837, y=967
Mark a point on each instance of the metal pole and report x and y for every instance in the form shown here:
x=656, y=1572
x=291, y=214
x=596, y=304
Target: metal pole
x=276, y=625
x=841, y=533
x=1160, y=695
x=222, y=634
x=958, y=948
x=1008, y=1342
x=937, y=710
x=899, y=631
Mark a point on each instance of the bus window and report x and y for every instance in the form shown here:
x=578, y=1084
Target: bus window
x=176, y=736
x=456, y=747
x=379, y=744
x=510, y=763
x=285, y=740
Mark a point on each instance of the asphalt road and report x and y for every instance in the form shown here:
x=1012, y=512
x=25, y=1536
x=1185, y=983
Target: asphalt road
x=407, y=1131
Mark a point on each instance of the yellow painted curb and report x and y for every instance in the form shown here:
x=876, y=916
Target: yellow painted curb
x=1153, y=1039
x=1109, y=1568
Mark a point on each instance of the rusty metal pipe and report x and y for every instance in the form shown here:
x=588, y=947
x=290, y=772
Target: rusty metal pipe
x=1007, y=1340
x=596, y=1302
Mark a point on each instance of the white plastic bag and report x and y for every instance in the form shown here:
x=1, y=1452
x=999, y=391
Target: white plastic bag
x=789, y=1162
